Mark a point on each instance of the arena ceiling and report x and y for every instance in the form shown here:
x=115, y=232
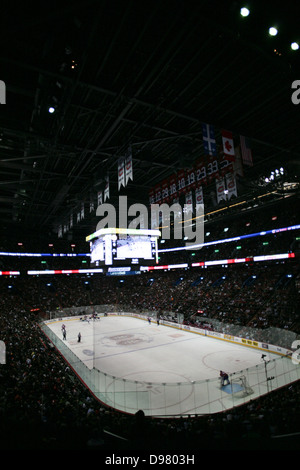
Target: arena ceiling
x=139, y=74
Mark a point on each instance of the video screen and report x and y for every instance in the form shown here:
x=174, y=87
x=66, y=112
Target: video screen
x=122, y=247
x=97, y=250
x=134, y=247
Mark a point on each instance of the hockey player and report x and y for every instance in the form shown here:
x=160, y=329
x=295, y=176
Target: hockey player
x=224, y=378
x=64, y=332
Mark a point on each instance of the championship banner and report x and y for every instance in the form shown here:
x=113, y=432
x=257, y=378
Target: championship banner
x=231, y=185
x=199, y=195
x=220, y=188
x=106, y=189
x=225, y=165
x=92, y=206
x=128, y=167
x=121, y=173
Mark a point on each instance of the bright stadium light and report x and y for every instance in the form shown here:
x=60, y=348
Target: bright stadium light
x=244, y=12
x=273, y=31
x=294, y=46
x=51, y=110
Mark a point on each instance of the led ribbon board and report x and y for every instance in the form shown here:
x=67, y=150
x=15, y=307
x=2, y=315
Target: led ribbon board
x=233, y=239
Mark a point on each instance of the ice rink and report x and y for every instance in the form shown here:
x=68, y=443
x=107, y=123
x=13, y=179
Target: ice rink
x=161, y=369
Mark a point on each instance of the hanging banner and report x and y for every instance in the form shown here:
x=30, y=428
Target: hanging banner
x=151, y=197
x=191, y=178
x=121, y=173
x=157, y=194
x=181, y=182
x=189, y=202
x=209, y=140
x=238, y=164
x=228, y=145
x=199, y=195
x=225, y=165
x=99, y=198
x=173, y=187
x=220, y=188
x=212, y=169
x=128, y=167
x=246, y=151
x=165, y=191
x=201, y=172
x=106, y=189
x=231, y=185
x=82, y=211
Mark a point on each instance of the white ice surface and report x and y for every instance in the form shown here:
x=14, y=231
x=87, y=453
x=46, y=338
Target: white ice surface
x=130, y=348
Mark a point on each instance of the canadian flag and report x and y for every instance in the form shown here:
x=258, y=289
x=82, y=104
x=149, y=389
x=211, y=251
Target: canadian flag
x=228, y=145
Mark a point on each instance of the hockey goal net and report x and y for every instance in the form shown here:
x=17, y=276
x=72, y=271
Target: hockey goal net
x=239, y=386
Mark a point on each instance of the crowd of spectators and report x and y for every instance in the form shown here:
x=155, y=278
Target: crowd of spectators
x=259, y=296
x=44, y=405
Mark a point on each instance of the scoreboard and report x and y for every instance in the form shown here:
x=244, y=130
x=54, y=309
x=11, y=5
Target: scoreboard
x=120, y=247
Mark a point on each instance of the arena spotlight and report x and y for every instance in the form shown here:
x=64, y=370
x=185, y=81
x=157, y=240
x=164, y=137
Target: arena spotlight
x=244, y=12
x=273, y=31
x=294, y=46
x=51, y=109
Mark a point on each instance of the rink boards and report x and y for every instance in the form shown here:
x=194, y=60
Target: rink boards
x=165, y=369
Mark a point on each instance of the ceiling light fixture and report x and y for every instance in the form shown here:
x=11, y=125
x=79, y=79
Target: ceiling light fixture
x=244, y=12
x=294, y=46
x=273, y=31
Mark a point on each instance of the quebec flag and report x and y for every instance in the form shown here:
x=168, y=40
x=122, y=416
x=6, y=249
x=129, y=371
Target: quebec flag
x=209, y=140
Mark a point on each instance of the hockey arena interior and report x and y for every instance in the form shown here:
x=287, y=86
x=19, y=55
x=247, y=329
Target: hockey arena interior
x=116, y=334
